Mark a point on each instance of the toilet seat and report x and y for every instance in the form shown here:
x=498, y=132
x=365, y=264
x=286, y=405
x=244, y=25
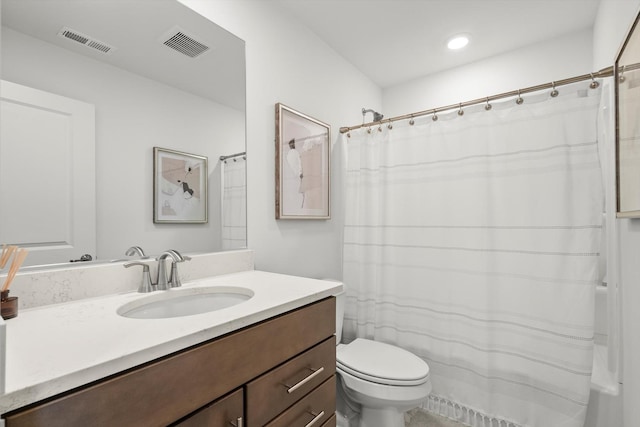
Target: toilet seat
x=381, y=363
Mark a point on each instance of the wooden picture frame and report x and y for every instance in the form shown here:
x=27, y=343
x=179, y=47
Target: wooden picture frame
x=179, y=187
x=302, y=166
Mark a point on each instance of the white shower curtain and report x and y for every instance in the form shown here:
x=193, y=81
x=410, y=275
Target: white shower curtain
x=473, y=242
x=234, y=204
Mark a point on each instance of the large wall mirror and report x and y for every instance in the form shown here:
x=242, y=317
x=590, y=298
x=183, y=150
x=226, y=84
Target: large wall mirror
x=156, y=74
x=628, y=125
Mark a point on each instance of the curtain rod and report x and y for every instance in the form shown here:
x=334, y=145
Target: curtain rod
x=605, y=72
x=223, y=158
x=323, y=134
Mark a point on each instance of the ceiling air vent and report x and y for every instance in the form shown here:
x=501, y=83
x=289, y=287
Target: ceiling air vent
x=186, y=44
x=85, y=40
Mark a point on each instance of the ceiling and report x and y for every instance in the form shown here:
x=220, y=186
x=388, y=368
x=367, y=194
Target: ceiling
x=395, y=41
x=136, y=30
x=390, y=41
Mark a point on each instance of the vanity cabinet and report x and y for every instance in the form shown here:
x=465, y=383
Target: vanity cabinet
x=279, y=372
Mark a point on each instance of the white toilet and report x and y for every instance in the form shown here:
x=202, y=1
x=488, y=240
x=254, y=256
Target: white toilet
x=381, y=381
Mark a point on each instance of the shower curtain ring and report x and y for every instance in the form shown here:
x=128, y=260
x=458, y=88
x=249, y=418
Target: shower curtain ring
x=622, y=78
x=369, y=130
x=411, y=121
x=594, y=84
x=554, y=91
x=487, y=105
x=519, y=100
x=389, y=125
x=348, y=134
x=380, y=127
x=460, y=110
x=435, y=116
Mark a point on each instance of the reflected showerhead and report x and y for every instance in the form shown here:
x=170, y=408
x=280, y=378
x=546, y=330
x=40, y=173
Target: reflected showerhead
x=376, y=116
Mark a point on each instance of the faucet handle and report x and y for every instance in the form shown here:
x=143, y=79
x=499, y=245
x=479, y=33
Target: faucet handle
x=146, y=285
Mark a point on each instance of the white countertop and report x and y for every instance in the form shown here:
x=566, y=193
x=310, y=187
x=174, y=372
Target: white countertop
x=55, y=348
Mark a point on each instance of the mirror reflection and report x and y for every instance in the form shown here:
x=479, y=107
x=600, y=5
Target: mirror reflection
x=89, y=87
x=628, y=132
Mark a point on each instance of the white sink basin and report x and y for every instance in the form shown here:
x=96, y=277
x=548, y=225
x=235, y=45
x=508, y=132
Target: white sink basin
x=185, y=302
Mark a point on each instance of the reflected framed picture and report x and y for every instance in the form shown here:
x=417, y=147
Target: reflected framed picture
x=179, y=187
x=302, y=165
x=627, y=84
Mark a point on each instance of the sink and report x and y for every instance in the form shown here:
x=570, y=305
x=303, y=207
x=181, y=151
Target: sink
x=185, y=302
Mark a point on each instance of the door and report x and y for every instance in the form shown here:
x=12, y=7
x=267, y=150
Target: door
x=47, y=174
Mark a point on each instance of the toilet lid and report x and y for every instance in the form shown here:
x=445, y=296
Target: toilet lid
x=381, y=363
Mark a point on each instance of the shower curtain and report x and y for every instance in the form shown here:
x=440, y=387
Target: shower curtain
x=234, y=204
x=472, y=240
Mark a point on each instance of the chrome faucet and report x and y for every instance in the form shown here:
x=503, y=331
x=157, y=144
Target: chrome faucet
x=135, y=250
x=146, y=285
x=174, y=280
x=163, y=283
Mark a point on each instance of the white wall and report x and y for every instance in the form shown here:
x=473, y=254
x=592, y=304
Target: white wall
x=612, y=24
x=287, y=63
x=557, y=59
x=614, y=19
x=133, y=114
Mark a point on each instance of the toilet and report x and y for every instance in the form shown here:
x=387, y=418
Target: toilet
x=378, y=380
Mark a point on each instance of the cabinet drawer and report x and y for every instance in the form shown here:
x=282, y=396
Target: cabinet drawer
x=313, y=410
x=224, y=412
x=275, y=391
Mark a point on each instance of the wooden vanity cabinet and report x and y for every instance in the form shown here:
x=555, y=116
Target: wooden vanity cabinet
x=211, y=383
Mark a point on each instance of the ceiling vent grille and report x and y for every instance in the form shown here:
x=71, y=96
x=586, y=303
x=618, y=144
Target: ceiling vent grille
x=186, y=44
x=85, y=40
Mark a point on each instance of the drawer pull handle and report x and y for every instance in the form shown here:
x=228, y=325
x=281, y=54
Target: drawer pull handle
x=302, y=382
x=316, y=417
x=238, y=423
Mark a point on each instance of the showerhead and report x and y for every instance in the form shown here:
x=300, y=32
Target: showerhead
x=376, y=116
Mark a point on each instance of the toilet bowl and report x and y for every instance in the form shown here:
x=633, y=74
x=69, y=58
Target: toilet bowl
x=381, y=380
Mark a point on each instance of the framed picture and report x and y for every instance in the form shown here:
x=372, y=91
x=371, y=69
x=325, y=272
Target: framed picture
x=302, y=165
x=627, y=84
x=179, y=187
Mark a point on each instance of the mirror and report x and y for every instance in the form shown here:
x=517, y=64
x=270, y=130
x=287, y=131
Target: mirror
x=627, y=71
x=158, y=75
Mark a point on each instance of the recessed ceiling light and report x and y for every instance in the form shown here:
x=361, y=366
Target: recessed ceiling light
x=458, y=42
